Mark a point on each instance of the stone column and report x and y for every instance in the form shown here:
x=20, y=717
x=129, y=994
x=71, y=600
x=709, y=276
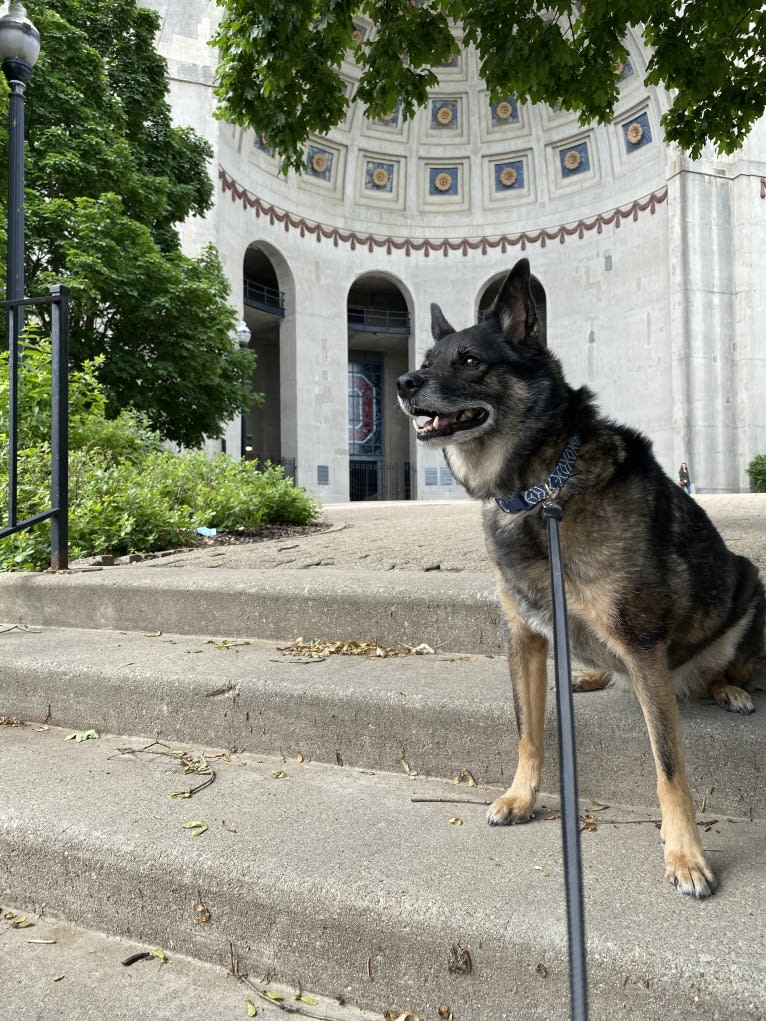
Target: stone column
x=703, y=323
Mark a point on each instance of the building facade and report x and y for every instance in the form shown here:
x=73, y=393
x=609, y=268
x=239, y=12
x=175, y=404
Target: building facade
x=649, y=267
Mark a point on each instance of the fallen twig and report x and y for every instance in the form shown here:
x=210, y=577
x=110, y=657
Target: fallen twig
x=449, y=801
x=142, y=956
x=283, y=1005
x=191, y=764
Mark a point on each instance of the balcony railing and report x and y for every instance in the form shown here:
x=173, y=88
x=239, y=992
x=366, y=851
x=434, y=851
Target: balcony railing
x=268, y=299
x=378, y=320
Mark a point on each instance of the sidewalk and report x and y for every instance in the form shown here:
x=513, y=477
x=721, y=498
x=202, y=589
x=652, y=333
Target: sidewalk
x=426, y=536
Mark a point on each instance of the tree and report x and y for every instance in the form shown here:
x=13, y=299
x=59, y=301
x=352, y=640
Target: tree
x=280, y=60
x=109, y=179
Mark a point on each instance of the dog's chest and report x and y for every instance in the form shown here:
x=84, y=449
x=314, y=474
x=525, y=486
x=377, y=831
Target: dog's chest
x=519, y=550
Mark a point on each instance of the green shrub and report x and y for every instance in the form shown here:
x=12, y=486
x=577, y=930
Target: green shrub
x=127, y=494
x=757, y=472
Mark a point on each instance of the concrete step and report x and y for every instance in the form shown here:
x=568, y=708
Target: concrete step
x=358, y=885
x=53, y=969
x=442, y=714
x=451, y=612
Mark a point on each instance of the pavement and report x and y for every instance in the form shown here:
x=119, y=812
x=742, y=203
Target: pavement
x=428, y=536
x=341, y=856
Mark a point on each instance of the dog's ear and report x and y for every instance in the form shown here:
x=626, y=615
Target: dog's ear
x=514, y=306
x=439, y=325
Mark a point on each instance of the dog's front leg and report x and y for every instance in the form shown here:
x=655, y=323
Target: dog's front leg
x=527, y=655
x=685, y=863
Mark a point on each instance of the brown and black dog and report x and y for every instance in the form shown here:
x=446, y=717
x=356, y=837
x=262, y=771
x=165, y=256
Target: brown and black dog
x=653, y=592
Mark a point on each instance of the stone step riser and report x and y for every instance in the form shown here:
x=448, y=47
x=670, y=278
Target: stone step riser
x=434, y=715
x=452, y=613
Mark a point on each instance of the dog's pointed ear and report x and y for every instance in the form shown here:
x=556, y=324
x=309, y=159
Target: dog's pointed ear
x=514, y=306
x=439, y=325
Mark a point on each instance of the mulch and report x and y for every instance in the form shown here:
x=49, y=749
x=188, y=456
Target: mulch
x=241, y=538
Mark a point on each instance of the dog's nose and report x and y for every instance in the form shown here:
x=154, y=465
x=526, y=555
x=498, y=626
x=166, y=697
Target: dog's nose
x=409, y=384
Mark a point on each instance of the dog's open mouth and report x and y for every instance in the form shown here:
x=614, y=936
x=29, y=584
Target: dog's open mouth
x=430, y=425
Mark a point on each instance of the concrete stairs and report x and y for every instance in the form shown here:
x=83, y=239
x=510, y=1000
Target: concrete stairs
x=339, y=855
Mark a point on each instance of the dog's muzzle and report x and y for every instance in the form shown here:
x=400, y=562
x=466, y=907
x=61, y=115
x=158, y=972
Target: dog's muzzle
x=432, y=423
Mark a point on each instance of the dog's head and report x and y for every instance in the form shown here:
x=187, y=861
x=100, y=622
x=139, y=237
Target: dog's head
x=482, y=381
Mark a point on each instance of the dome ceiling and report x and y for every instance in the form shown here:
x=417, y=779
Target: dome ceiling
x=464, y=160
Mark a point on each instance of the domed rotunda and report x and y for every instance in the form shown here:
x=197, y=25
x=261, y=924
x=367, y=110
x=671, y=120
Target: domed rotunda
x=649, y=269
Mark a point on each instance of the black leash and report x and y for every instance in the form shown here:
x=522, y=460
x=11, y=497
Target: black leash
x=570, y=818
x=526, y=499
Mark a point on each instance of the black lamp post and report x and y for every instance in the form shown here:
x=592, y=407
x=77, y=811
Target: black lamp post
x=243, y=339
x=19, y=50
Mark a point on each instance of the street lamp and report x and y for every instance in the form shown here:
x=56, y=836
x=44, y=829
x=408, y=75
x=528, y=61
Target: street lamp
x=19, y=50
x=243, y=339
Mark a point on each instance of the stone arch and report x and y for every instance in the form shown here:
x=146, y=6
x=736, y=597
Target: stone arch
x=379, y=311
x=268, y=300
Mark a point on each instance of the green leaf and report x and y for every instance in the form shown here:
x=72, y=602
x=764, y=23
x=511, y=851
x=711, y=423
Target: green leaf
x=197, y=826
x=304, y=998
x=82, y=735
x=252, y=1010
x=160, y=955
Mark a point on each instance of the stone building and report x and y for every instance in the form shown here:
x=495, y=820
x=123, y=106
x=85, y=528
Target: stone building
x=648, y=267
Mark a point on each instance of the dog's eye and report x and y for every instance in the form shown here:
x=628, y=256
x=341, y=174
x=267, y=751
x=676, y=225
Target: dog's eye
x=470, y=360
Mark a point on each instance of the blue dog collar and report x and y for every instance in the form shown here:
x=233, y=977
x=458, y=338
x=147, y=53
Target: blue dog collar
x=528, y=498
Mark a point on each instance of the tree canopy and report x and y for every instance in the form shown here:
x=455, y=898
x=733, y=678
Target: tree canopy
x=108, y=180
x=279, y=70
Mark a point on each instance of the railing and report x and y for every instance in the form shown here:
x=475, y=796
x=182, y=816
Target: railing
x=378, y=320
x=268, y=299
x=58, y=512
x=375, y=480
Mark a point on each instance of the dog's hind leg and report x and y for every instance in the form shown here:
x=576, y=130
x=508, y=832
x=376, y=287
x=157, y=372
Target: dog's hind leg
x=685, y=863
x=728, y=688
x=590, y=680
x=730, y=695
x=527, y=656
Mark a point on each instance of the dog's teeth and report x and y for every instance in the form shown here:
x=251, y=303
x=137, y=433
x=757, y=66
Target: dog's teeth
x=435, y=423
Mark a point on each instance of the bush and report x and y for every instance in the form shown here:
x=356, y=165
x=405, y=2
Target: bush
x=757, y=472
x=127, y=494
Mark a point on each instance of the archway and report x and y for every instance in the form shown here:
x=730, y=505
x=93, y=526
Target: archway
x=264, y=304
x=378, y=311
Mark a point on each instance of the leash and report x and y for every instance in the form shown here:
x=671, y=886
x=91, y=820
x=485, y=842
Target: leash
x=525, y=499
x=570, y=819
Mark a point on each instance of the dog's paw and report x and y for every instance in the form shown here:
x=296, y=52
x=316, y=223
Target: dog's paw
x=510, y=810
x=590, y=680
x=732, y=698
x=690, y=875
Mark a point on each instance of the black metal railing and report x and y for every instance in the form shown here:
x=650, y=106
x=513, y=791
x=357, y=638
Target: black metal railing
x=268, y=299
x=58, y=512
x=376, y=480
x=378, y=320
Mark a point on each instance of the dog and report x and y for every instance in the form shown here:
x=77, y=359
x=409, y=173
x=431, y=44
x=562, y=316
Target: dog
x=653, y=592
